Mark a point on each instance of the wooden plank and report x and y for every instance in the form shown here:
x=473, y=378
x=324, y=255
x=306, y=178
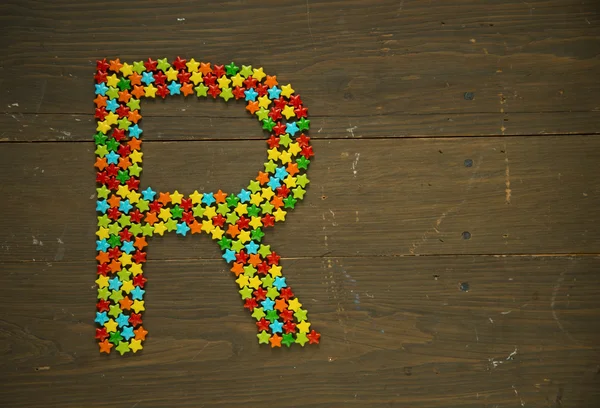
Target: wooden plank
x=366, y=197
x=196, y=124
x=359, y=65
x=395, y=331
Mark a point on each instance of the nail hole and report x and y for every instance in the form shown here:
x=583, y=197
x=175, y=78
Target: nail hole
x=469, y=96
x=466, y=235
x=468, y=162
x=464, y=286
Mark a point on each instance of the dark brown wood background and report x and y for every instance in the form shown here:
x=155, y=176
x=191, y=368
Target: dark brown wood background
x=377, y=251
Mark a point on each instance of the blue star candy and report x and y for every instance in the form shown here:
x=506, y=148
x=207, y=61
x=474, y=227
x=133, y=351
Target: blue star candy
x=244, y=196
x=112, y=158
x=149, y=194
x=127, y=333
x=229, y=255
x=127, y=247
x=182, y=229
x=174, y=88
x=252, y=247
x=276, y=326
x=124, y=206
x=147, y=78
x=101, y=89
x=291, y=128
x=112, y=105
x=251, y=94
x=114, y=283
x=135, y=131
x=267, y=304
x=122, y=320
x=137, y=293
x=274, y=183
x=102, y=245
x=101, y=318
x=279, y=282
x=281, y=173
x=208, y=198
x=102, y=206
x=274, y=92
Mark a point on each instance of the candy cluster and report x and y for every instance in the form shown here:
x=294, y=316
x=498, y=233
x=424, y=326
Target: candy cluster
x=129, y=215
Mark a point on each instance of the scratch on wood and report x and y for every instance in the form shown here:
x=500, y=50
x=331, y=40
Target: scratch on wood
x=308, y=23
x=555, y=290
x=507, y=190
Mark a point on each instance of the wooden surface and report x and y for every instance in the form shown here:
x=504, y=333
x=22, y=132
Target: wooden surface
x=377, y=249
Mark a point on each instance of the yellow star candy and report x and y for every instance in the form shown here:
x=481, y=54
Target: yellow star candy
x=176, y=197
x=273, y=154
x=127, y=286
x=112, y=80
x=103, y=127
x=294, y=148
x=255, y=282
x=102, y=233
x=288, y=112
x=224, y=82
x=111, y=118
x=164, y=214
x=294, y=305
x=267, y=193
x=279, y=215
x=138, y=306
x=207, y=226
x=264, y=102
x=290, y=181
x=135, y=269
x=111, y=326
x=285, y=157
x=172, y=74
x=196, y=197
x=242, y=281
x=237, y=80
x=159, y=228
x=123, y=191
x=255, y=199
x=210, y=212
x=286, y=90
x=136, y=156
x=303, y=326
x=196, y=78
x=241, y=209
x=217, y=233
x=244, y=236
x=125, y=259
x=102, y=281
x=150, y=91
x=133, y=196
x=258, y=74
x=192, y=65
x=256, y=222
x=275, y=270
x=135, y=345
x=126, y=69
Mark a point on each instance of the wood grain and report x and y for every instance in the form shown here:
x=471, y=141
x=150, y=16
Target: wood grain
x=399, y=332
x=404, y=166
x=407, y=197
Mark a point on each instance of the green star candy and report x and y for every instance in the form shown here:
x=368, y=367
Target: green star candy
x=112, y=93
x=263, y=337
x=301, y=339
x=115, y=337
x=133, y=104
x=267, y=208
x=288, y=339
x=124, y=220
x=302, y=180
x=114, y=241
x=116, y=295
x=143, y=205
x=262, y=114
x=258, y=313
x=138, y=66
x=112, y=145
x=223, y=209
x=237, y=245
x=299, y=193
x=226, y=93
x=199, y=211
x=246, y=293
x=102, y=151
x=103, y=221
x=100, y=138
x=257, y=234
x=267, y=281
x=163, y=64
x=171, y=225
x=231, y=69
x=147, y=230
x=135, y=229
x=253, y=211
x=124, y=84
x=124, y=275
x=300, y=315
x=246, y=71
x=232, y=217
x=303, y=124
x=123, y=347
x=272, y=292
x=249, y=270
x=268, y=124
x=102, y=192
x=201, y=90
x=285, y=140
x=270, y=166
x=272, y=315
x=289, y=202
x=254, y=185
x=302, y=162
x=114, y=311
x=232, y=200
x=265, y=250
x=135, y=170
x=103, y=293
x=224, y=243
x=176, y=211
